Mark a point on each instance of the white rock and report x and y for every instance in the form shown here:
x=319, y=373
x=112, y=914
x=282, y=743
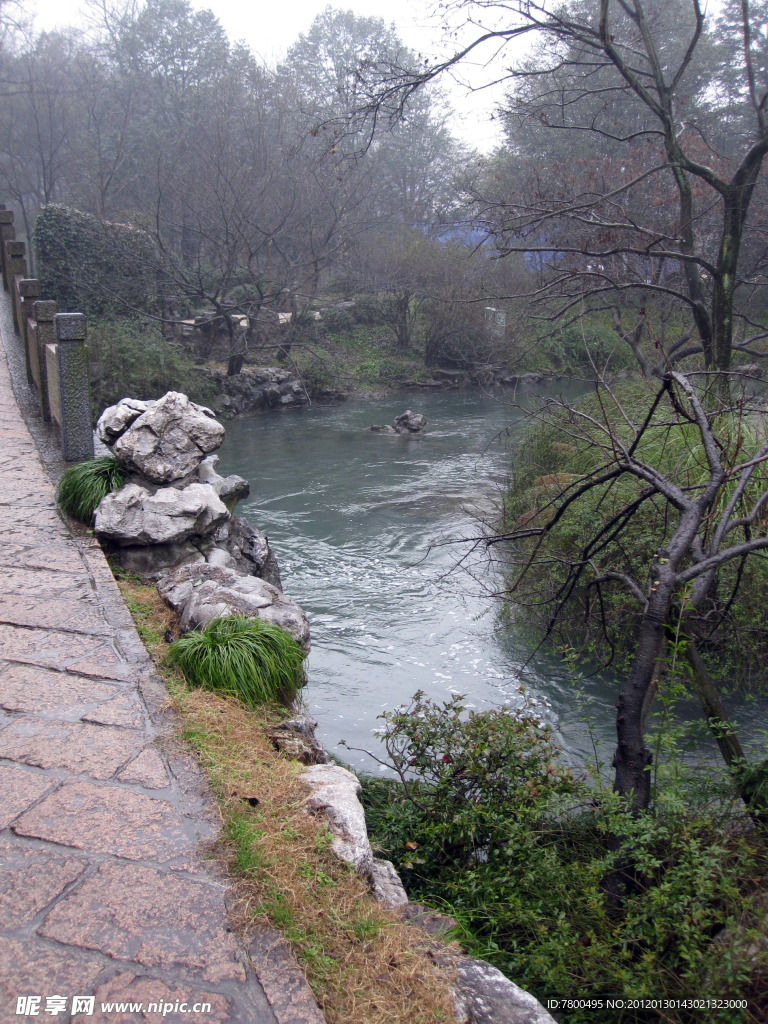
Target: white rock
x=133, y=516
x=200, y=593
x=116, y=419
x=387, y=887
x=169, y=440
x=486, y=996
x=335, y=791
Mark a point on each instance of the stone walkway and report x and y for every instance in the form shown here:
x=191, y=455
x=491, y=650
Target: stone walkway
x=104, y=887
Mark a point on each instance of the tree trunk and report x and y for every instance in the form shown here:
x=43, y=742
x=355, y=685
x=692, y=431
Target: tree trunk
x=632, y=758
x=716, y=715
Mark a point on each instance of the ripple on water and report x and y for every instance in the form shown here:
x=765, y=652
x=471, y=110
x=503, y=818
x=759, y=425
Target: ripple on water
x=354, y=518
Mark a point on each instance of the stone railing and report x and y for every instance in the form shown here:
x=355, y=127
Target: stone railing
x=55, y=352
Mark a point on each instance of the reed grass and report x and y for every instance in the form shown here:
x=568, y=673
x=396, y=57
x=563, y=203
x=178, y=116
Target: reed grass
x=82, y=486
x=245, y=658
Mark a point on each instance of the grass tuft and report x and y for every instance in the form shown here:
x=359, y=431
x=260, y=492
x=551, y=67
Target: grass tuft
x=244, y=658
x=82, y=487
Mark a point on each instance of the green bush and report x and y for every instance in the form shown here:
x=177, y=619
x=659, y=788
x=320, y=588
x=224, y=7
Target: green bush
x=568, y=348
x=245, y=658
x=92, y=266
x=487, y=825
x=82, y=486
x=337, y=321
x=131, y=358
x=370, y=311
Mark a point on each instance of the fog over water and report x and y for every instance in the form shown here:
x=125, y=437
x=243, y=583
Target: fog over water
x=353, y=518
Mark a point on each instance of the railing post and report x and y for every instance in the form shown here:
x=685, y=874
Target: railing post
x=68, y=391
x=15, y=267
x=43, y=332
x=28, y=292
x=7, y=233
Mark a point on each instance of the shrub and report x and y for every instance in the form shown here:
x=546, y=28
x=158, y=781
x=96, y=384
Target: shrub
x=93, y=266
x=337, y=321
x=245, y=658
x=82, y=487
x=486, y=824
x=130, y=357
x=370, y=310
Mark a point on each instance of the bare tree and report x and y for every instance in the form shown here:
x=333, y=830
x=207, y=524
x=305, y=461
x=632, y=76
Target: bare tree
x=620, y=84
x=714, y=515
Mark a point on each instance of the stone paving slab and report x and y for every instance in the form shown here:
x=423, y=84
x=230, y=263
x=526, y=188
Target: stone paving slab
x=109, y=820
x=106, y=889
x=76, y=747
x=41, y=691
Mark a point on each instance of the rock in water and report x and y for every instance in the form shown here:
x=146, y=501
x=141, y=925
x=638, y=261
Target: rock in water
x=200, y=593
x=169, y=440
x=410, y=422
x=135, y=516
x=115, y=420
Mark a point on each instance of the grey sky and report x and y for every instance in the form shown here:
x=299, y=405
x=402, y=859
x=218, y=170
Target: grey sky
x=269, y=28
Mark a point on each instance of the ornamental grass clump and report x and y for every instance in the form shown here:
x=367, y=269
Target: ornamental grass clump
x=82, y=487
x=245, y=658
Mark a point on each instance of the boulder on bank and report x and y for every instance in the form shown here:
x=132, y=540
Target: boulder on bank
x=168, y=441
x=406, y=423
x=116, y=419
x=335, y=792
x=199, y=593
x=295, y=737
x=135, y=516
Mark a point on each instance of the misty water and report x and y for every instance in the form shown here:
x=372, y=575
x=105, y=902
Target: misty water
x=356, y=520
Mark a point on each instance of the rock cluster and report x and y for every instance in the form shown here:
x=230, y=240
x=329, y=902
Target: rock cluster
x=406, y=423
x=256, y=388
x=173, y=519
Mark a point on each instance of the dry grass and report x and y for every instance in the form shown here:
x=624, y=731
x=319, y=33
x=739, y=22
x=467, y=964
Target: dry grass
x=364, y=965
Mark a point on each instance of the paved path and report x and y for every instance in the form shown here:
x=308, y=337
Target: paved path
x=104, y=890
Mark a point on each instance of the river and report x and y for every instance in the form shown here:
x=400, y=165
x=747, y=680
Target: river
x=355, y=519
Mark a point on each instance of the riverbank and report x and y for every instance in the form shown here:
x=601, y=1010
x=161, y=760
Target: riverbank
x=107, y=891
x=363, y=962
x=314, y=367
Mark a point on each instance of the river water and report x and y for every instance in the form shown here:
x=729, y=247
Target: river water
x=356, y=520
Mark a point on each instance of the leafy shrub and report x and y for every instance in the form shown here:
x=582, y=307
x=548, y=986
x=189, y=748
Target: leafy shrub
x=486, y=824
x=82, y=486
x=569, y=348
x=370, y=310
x=130, y=357
x=337, y=321
x=92, y=266
x=245, y=658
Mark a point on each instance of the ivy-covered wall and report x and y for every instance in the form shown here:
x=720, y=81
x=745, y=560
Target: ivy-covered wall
x=88, y=266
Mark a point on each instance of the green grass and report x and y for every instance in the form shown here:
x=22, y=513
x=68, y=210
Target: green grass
x=245, y=658
x=82, y=487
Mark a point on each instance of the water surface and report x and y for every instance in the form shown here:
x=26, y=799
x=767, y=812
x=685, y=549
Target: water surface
x=356, y=521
